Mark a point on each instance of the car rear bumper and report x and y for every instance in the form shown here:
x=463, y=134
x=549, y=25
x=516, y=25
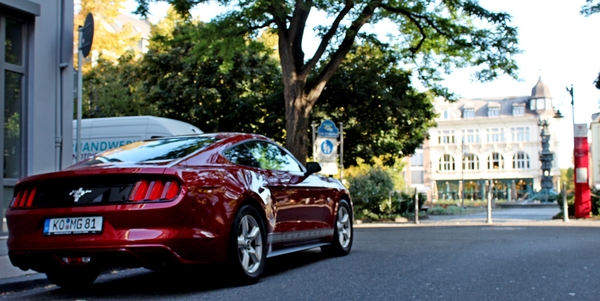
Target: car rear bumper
x=130, y=237
x=149, y=253
x=152, y=257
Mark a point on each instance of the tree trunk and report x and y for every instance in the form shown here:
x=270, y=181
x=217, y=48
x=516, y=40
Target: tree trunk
x=297, y=113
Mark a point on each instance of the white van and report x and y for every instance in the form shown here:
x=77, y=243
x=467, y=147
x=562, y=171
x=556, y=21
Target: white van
x=100, y=134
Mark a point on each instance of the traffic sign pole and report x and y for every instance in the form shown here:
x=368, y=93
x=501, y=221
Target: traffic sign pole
x=79, y=101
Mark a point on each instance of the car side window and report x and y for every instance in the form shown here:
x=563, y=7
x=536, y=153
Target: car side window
x=270, y=156
x=240, y=154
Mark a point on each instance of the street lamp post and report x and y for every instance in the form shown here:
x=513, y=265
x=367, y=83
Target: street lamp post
x=462, y=174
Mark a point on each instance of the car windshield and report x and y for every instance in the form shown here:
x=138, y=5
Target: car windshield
x=151, y=151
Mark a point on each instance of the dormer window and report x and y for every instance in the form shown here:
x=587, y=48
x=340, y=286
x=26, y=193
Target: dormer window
x=518, y=110
x=537, y=104
x=541, y=103
x=468, y=113
x=493, y=111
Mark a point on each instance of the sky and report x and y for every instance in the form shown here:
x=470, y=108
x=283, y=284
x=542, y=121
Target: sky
x=558, y=44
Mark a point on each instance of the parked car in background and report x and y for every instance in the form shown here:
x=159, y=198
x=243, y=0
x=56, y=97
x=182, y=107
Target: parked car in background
x=227, y=198
x=101, y=134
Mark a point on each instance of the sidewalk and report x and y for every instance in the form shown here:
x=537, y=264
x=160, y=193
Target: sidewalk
x=7, y=270
x=519, y=216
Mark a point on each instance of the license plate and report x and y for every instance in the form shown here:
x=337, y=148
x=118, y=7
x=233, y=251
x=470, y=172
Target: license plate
x=73, y=225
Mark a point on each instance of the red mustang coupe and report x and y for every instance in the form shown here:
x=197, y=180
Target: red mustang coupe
x=227, y=198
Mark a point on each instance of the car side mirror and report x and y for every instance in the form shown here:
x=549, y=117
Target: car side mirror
x=311, y=168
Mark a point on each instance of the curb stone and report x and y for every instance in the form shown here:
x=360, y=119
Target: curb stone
x=21, y=283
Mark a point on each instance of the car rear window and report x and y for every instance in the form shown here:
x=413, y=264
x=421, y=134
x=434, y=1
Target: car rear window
x=157, y=150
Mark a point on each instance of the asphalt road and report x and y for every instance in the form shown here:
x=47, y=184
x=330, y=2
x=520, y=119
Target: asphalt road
x=416, y=263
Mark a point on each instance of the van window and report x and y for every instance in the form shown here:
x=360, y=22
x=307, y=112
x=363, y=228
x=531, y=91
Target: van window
x=158, y=150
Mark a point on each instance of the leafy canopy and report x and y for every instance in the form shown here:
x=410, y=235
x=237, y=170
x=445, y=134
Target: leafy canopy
x=206, y=94
x=433, y=37
x=114, y=89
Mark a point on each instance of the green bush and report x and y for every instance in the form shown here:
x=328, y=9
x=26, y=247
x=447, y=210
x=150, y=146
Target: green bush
x=369, y=190
x=570, y=204
x=374, y=196
x=595, y=201
x=443, y=210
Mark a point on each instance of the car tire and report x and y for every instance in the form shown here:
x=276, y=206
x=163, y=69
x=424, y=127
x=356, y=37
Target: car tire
x=247, y=245
x=343, y=233
x=73, y=278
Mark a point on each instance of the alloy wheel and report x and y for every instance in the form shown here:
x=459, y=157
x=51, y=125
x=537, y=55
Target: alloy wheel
x=249, y=244
x=344, y=227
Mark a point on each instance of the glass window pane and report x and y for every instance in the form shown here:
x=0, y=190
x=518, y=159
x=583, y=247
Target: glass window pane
x=416, y=159
x=241, y=155
x=417, y=177
x=13, y=44
x=166, y=149
x=272, y=157
x=12, y=124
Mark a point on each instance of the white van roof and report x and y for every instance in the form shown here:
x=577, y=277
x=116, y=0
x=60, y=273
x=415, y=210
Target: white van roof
x=150, y=124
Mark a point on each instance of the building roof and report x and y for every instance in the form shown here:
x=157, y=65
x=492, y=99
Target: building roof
x=540, y=90
x=481, y=105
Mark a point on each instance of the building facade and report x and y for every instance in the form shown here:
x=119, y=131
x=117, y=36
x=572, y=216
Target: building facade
x=36, y=89
x=483, y=141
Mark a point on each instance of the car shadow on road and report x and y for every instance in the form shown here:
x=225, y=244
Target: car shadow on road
x=138, y=283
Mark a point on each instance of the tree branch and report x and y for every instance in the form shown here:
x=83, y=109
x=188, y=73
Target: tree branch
x=413, y=17
x=297, y=26
x=248, y=29
x=327, y=38
x=280, y=22
x=342, y=51
x=413, y=20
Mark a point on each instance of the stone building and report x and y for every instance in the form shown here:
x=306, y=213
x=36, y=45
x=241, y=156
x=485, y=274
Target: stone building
x=486, y=140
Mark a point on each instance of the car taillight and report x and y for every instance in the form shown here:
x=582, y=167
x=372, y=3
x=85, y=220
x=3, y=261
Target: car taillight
x=24, y=198
x=154, y=190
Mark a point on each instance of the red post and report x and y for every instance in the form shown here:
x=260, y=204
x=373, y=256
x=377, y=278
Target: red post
x=583, y=204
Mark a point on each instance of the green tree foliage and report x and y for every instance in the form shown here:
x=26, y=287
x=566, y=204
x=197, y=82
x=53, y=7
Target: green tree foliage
x=434, y=36
x=114, y=89
x=383, y=114
x=590, y=7
x=166, y=26
x=206, y=94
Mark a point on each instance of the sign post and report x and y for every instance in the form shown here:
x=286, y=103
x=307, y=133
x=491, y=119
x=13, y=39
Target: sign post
x=327, y=147
x=86, y=36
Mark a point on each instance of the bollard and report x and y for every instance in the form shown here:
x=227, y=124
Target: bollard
x=565, y=205
x=489, y=207
x=416, y=206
